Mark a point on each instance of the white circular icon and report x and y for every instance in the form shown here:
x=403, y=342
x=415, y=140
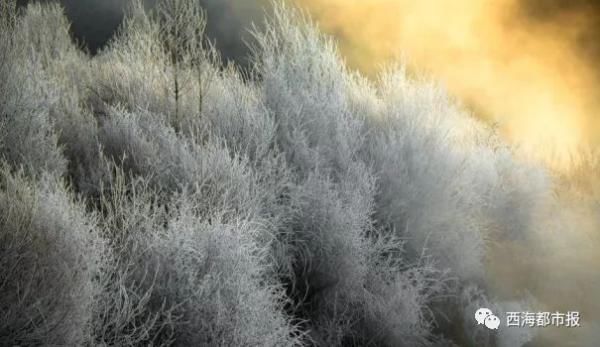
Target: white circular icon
x=482, y=314
x=492, y=322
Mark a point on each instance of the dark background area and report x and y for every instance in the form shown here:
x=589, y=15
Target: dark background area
x=95, y=21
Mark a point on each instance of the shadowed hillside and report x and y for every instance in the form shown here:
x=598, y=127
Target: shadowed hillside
x=152, y=195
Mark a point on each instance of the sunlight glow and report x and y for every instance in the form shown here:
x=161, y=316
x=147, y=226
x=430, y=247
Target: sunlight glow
x=527, y=76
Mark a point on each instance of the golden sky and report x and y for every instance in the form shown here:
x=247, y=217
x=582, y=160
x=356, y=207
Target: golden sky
x=528, y=75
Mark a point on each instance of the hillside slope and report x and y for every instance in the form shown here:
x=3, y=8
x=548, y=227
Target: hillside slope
x=151, y=195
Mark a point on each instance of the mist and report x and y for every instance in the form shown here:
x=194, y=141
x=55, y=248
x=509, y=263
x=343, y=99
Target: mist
x=517, y=64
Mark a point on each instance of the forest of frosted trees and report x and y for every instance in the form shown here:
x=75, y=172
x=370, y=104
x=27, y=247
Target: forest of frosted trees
x=153, y=195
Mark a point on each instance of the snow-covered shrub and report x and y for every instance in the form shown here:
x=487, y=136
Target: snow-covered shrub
x=233, y=110
x=178, y=279
x=310, y=94
x=51, y=255
x=145, y=145
x=27, y=137
x=305, y=86
x=445, y=183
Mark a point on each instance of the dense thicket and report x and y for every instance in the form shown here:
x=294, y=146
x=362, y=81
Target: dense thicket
x=151, y=195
